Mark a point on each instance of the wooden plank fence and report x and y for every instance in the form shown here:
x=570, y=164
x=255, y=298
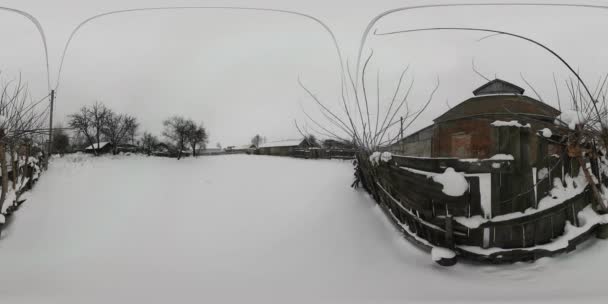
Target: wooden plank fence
x=403, y=188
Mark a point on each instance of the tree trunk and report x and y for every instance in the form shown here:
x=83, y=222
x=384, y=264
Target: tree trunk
x=194, y=150
x=95, y=148
x=14, y=165
x=27, y=173
x=4, y=171
x=596, y=193
x=180, y=147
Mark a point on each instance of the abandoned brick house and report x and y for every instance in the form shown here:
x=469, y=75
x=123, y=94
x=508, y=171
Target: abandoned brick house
x=466, y=131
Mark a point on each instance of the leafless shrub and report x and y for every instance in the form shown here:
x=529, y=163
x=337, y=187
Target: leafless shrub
x=90, y=121
x=183, y=133
x=20, y=119
x=118, y=128
x=367, y=122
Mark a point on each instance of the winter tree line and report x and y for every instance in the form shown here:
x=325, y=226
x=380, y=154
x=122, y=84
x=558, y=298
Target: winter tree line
x=97, y=124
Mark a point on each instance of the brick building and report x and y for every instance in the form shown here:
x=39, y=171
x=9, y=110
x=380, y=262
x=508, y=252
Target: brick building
x=466, y=131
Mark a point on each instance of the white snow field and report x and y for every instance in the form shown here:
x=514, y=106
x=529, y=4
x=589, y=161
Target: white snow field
x=244, y=229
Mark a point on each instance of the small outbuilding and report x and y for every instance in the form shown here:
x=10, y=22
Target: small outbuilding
x=101, y=148
x=247, y=149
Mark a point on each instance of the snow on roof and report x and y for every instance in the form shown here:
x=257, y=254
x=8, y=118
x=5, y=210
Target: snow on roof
x=243, y=147
x=282, y=143
x=512, y=123
x=97, y=146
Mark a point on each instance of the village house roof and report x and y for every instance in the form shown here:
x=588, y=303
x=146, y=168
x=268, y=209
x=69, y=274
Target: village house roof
x=499, y=97
x=282, y=143
x=498, y=86
x=101, y=145
x=244, y=147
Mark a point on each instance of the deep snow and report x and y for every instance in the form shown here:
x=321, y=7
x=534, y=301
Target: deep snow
x=243, y=229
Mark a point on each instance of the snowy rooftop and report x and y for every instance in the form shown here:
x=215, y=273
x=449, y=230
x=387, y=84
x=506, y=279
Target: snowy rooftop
x=97, y=146
x=243, y=147
x=282, y=143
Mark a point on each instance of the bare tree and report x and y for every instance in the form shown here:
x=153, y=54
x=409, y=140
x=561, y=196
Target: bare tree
x=149, y=142
x=311, y=139
x=257, y=140
x=176, y=130
x=90, y=121
x=118, y=128
x=81, y=122
x=369, y=124
x=61, y=141
x=196, y=135
x=98, y=114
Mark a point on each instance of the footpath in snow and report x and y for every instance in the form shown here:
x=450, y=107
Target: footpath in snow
x=244, y=229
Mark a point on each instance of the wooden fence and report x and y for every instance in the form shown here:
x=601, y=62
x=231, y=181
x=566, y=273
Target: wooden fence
x=23, y=171
x=315, y=153
x=503, y=198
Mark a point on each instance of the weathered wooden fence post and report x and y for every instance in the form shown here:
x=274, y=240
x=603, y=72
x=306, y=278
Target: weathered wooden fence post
x=527, y=197
x=449, y=232
x=543, y=168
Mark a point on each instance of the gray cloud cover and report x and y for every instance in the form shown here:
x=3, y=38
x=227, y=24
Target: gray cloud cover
x=237, y=71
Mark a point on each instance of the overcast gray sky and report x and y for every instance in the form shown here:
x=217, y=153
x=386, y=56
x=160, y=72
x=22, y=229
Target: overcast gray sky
x=237, y=71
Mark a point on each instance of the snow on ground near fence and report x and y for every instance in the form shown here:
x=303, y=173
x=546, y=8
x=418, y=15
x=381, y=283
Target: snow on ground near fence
x=243, y=229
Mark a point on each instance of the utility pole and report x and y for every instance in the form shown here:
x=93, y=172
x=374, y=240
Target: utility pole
x=50, y=129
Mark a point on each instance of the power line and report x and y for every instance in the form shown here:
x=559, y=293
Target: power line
x=42, y=36
x=282, y=11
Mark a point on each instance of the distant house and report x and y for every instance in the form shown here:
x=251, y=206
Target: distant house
x=284, y=147
x=337, y=145
x=209, y=151
x=248, y=149
x=163, y=149
x=102, y=148
x=127, y=148
x=466, y=131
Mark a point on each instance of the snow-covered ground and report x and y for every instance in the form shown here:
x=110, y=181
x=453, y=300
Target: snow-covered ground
x=244, y=229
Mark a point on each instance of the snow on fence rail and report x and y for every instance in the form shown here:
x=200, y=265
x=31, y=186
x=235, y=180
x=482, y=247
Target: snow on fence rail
x=513, y=210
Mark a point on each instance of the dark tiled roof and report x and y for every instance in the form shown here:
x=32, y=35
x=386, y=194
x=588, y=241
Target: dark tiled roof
x=498, y=86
